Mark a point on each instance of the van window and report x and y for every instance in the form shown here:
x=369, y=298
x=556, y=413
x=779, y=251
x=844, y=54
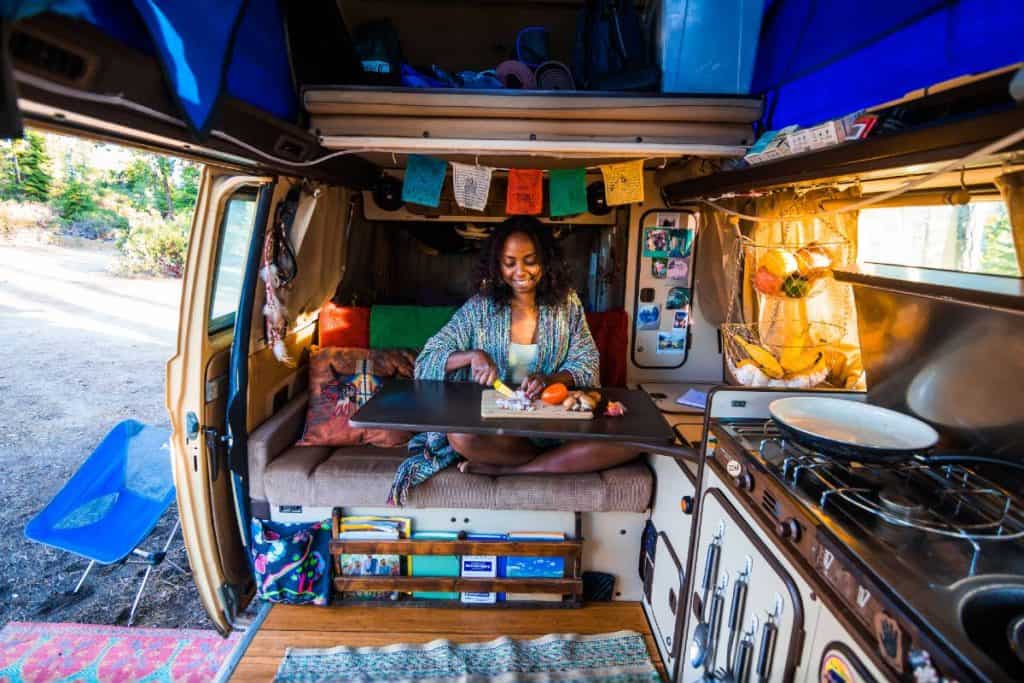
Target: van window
x=973, y=238
x=239, y=216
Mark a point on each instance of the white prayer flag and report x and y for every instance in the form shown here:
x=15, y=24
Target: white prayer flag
x=472, y=184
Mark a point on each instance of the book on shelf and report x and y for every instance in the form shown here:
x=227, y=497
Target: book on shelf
x=480, y=567
x=371, y=528
x=534, y=567
x=435, y=565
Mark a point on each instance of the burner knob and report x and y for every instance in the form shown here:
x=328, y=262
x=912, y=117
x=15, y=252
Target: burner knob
x=789, y=528
x=686, y=505
x=744, y=482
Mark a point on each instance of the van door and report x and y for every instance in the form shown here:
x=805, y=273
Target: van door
x=230, y=217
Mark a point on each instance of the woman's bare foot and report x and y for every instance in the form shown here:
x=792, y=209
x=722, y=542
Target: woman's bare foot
x=470, y=467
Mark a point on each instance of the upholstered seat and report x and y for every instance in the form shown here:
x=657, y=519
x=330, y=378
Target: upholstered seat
x=283, y=474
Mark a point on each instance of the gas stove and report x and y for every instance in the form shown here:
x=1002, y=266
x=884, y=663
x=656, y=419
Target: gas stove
x=927, y=560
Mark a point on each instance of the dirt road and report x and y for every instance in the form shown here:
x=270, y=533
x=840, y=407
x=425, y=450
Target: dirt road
x=82, y=349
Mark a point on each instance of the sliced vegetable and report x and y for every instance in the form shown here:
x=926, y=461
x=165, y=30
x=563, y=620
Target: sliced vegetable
x=554, y=394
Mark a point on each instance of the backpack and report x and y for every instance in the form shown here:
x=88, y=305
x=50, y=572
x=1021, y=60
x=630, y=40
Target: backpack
x=611, y=51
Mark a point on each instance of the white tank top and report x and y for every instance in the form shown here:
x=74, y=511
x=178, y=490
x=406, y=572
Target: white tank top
x=521, y=360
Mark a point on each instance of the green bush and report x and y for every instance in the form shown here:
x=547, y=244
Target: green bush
x=154, y=246
x=75, y=200
x=98, y=224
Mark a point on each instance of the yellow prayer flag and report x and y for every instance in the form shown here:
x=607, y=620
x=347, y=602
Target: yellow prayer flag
x=624, y=182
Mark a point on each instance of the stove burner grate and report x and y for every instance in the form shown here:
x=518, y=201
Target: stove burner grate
x=948, y=499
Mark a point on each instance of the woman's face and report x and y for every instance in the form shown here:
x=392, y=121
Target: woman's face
x=520, y=263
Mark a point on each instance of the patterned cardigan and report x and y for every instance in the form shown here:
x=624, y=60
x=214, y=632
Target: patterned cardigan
x=564, y=345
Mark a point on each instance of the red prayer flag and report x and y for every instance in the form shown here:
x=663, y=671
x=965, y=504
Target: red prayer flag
x=525, y=192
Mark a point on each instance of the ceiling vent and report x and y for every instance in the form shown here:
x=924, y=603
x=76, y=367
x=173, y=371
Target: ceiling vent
x=42, y=56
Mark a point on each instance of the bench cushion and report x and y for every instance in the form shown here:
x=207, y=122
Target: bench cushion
x=362, y=475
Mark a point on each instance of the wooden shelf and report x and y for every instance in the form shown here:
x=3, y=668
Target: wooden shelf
x=568, y=549
x=457, y=584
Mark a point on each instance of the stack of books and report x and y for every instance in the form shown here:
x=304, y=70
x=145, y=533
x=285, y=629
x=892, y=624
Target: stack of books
x=435, y=565
x=372, y=528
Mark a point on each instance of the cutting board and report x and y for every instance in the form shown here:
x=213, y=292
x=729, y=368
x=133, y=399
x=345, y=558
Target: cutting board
x=489, y=409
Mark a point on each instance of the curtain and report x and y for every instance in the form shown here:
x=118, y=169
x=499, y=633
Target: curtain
x=1011, y=187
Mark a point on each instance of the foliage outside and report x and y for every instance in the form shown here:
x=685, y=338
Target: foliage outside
x=141, y=202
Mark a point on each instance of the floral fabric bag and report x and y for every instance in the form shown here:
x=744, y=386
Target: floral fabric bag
x=292, y=561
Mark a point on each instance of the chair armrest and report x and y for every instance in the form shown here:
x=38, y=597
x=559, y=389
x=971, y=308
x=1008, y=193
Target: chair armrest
x=272, y=438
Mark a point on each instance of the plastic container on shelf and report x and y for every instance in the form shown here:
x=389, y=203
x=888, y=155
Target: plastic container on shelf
x=781, y=353
x=792, y=271
x=708, y=46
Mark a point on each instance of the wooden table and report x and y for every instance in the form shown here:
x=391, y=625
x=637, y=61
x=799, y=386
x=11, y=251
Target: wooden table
x=435, y=406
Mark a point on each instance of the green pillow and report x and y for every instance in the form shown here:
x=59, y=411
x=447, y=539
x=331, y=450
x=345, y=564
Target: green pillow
x=406, y=327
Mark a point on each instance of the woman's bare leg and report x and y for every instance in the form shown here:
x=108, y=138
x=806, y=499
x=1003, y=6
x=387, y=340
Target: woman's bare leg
x=574, y=457
x=493, y=450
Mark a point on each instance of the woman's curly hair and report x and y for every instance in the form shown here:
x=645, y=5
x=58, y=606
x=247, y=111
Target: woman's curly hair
x=556, y=274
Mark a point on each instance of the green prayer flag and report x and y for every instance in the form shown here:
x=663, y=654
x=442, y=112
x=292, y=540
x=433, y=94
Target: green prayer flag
x=568, y=191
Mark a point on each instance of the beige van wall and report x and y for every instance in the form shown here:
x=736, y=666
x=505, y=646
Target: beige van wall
x=319, y=239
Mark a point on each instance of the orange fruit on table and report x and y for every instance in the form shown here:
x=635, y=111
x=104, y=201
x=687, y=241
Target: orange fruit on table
x=779, y=262
x=554, y=394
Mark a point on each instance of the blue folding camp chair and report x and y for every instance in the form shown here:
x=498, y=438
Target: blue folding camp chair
x=111, y=504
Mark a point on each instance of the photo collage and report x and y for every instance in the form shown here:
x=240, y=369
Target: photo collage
x=664, y=296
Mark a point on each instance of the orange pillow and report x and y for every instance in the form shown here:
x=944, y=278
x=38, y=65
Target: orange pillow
x=344, y=325
x=340, y=381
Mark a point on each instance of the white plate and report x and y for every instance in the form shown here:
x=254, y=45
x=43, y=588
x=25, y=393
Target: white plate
x=854, y=423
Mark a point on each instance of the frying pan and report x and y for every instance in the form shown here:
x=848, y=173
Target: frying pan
x=851, y=430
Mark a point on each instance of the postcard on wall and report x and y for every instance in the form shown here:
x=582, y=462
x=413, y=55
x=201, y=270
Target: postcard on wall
x=659, y=268
x=648, y=316
x=678, y=297
x=680, y=243
x=678, y=269
x=681, y=320
x=655, y=242
x=667, y=220
x=672, y=342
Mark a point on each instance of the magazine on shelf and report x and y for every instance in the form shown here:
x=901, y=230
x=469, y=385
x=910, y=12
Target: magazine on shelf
x=480, y=567
x=435, y=565
x=534, y=567
x=372, y=528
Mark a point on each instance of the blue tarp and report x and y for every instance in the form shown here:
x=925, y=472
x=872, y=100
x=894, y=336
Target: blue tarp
x=821, y=59
x=205, y=48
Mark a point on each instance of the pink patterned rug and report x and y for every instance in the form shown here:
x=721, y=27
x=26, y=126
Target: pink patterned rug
x=89, y=653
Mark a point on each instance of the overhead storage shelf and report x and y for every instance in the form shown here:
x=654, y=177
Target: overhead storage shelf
x=499, y=127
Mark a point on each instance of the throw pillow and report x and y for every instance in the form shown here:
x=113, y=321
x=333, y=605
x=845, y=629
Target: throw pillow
x=344, y=326
x=406, y=327
x=292, y=561
x=340, y=381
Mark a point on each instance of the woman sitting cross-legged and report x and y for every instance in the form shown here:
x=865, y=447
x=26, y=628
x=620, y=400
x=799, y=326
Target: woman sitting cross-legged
x=526, y=327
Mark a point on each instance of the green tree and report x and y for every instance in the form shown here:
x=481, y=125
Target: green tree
x=32, y=167
x=188, y=187
x=998, y=255
x=76, y=197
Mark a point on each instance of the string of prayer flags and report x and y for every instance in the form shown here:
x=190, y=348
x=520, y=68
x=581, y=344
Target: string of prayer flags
x=623, y=182
x=471, y=185
x=424, y=177
x=568, y=188
x=525, y=192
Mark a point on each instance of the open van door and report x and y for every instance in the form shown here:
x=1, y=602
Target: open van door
x=230, y=217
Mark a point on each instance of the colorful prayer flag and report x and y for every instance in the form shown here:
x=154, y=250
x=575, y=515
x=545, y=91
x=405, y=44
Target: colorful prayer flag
x=525, y=192
x=624, y=182
x=424, y=177
x=568, y=191
x=472, y=185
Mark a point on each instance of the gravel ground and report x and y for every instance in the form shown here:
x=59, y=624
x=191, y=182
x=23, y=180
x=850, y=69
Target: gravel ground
x=82, y=350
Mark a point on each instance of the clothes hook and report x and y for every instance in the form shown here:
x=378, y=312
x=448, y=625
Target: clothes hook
x=394, y=159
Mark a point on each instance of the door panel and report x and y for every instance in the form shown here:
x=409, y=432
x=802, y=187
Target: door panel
x=197, y=387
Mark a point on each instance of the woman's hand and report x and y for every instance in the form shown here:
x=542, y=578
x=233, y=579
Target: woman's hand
x=533, y=385
x=482, y=368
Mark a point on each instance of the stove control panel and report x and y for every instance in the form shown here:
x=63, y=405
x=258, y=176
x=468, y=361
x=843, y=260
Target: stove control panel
x=866, y=608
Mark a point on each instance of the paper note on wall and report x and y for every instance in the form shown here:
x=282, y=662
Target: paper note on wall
x=624, y=183
x=472, y=185
x=525, y=192
x=424, y=177
x=568, y=191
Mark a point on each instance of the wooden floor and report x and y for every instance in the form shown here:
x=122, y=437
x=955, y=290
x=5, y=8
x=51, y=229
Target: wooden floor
x=290, y=626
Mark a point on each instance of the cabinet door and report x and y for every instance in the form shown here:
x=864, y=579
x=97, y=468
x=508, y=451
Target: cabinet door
x=668, y=590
